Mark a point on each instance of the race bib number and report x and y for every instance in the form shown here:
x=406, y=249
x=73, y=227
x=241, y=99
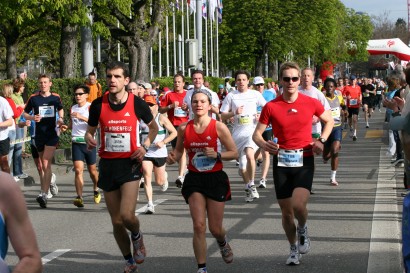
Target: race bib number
x=336, y=112
x=203, y=163
x=118, y=142
x=244, y=120
x=378, y=92
x=178, y=112
x=290, y=158
x=46, y=111
x=353, y=101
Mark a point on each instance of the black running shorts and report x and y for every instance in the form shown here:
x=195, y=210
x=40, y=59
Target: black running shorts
x=286, y=179
x=213, y=185
x=113, y=173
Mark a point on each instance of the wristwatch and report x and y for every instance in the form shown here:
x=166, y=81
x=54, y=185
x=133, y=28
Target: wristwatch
x=322, y=140
x=145, y=147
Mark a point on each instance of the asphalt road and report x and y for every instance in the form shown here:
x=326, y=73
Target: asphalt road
x=354, y=227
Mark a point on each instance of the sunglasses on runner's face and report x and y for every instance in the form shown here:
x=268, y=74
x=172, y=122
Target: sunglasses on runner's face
x=287, y=79
x=78, y=94
x=260, y=84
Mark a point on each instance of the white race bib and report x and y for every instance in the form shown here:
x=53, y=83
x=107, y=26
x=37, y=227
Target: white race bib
x=178, y=112
x=353, y=101
x=46, y=111
x=203, y=163
x=118, y=142
x=336, y=112
x=244, y=119
x=290, y=158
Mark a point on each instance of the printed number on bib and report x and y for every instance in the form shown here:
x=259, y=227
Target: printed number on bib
x=244, y=120
x=203, y=163
x=290, y=158
x=46, y=111
x=178, y=112
x=336, y=112
x=353, y=101
x=118, y=142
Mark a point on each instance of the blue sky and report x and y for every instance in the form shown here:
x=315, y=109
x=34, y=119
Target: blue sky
x=396, y=8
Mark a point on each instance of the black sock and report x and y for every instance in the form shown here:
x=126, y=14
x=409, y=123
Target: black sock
x=221, y=244
x=135, y=237
x=95, y=192
x=129, y=258
x=201, y=266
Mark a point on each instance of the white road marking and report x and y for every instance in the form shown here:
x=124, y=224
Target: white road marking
x=384, y=251
x=156, y=202
x=51, y=256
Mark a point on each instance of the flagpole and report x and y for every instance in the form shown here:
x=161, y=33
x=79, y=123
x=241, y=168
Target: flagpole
x=159, y=55
x=187, y=20
x=175, y=42
x=211, y=41
x=182, y=39
x=217, y=46
x=206, y=42
x=199, y=32
x=167, y=44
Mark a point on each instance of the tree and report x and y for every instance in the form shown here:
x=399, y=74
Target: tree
x=139, y=20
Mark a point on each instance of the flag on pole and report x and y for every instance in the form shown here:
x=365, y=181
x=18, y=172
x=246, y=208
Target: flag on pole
x=192, y=6
x=204, y=13
x=177, y=4
x=213, y=4
x=220, y=7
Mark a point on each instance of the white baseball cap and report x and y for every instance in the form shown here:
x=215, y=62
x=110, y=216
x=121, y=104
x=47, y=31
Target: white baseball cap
x=258, y=80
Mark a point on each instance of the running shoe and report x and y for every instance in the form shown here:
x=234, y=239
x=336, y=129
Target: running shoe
x=226, y=253
x=49, y=195
x=248, y=195
x=304, y=241
x=294, y=256
x=333, y=182
x=367, y=126
x=97, y=198
x=130, y=267
x=78, y=202
x=351, y=132
x=42, y=200
x=53, y=185
x=139, y=250
x=354, y=138
x=254, y=192
x=150, y=209
x=164, y=186
x=202, y=270
x=262, y=183
x=179, y=181
x=23, y=175
x=237, y=163
x=16, y=178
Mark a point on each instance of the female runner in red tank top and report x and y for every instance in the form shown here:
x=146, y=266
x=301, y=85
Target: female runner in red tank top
x=206, y=186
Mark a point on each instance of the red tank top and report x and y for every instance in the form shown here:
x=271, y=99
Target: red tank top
x=119, y=130
x=194, y=143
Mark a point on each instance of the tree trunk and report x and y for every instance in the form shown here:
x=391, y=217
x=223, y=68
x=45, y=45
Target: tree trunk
x=133, y=61
x=143, y=71
x=11, y=51
x=68, y=48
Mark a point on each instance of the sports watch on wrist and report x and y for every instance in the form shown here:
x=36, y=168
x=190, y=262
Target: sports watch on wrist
x=322, y=140
x=145, y=147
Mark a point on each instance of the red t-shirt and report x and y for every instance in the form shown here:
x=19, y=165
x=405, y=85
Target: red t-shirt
x=194, y=144
x=170, y=98
x=292, y=122
x=355, y=93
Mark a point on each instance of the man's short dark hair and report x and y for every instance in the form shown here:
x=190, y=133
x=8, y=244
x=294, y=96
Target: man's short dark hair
x=242, y=72
x=119, y=65
x=197, y=72
x=179, y=75
x=330, y=80
x=92, y=73
x=84, y=87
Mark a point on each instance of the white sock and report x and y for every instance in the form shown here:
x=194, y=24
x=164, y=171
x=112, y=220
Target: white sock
x=150, y=203
x=333, y=175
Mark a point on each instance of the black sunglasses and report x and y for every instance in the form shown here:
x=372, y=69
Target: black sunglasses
x=287, y=79
x=78, y=94
x=260, y=84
